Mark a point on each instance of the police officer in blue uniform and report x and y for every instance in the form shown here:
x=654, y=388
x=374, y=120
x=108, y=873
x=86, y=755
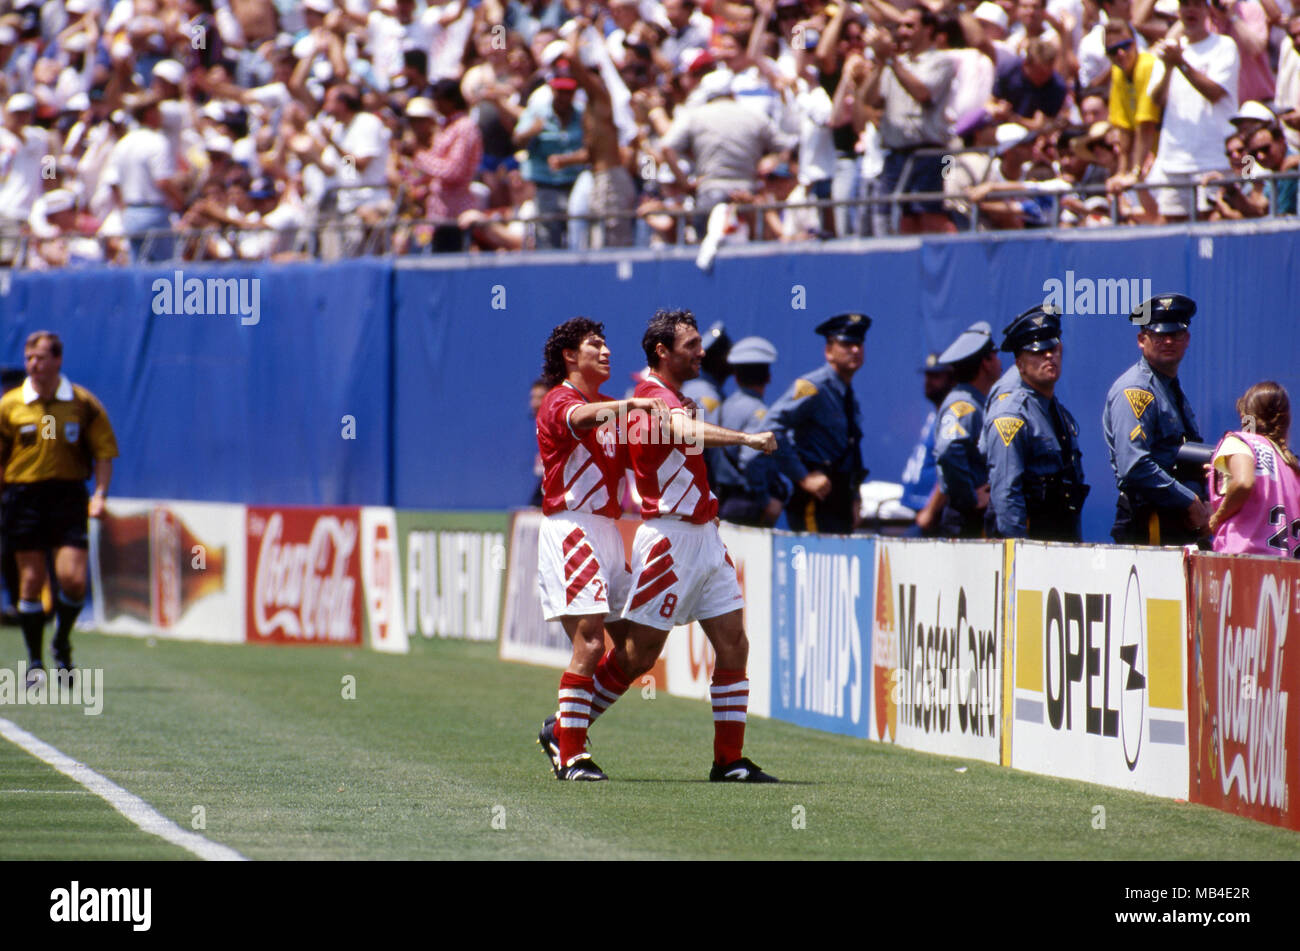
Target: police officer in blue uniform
x=920, y=476
x=963, y=475
x=1036, y=486
x=1147, y=418
x=818, y=428
x=705, y=391
x=750, y=489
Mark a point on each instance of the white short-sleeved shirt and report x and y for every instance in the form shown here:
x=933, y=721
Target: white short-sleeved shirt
x=1191, y=138
x=140, y=160
x=20, y=167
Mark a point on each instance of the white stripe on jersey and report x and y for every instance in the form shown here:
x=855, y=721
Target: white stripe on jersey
x=584, y=489
x=671, y=495
x=669, y=468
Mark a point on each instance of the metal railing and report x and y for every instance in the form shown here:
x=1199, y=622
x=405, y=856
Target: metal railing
x=337, y=237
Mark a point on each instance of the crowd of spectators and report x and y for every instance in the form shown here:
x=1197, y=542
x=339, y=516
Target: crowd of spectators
x=250, y=129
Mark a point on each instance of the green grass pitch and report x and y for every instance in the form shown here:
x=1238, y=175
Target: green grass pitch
x=436, y=759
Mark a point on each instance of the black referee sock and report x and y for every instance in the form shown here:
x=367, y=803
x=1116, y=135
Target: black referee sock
x=65, y=614
x=31, y=617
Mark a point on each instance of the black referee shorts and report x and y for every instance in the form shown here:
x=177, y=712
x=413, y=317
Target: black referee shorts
x=37, y=516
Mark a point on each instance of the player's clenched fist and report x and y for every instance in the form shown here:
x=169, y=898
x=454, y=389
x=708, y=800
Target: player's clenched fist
x=763, y=442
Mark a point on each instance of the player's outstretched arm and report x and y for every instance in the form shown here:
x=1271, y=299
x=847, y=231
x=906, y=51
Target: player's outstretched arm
x=708, y=436
x=591, y=415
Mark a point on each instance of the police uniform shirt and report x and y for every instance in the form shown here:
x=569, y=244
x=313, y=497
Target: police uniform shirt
x=920, y=474
x=754, y=472
x=53, y=439
x=1003, y=388
x=1144, y=423
x=813, y=429
x=1023, y=442
x=956, y=449
x=706, y=393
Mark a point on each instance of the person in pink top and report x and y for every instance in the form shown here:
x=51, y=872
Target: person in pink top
x=451, y=162
x=1256, y=483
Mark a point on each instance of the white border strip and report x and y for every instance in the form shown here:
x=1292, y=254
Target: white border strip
x=128, y=804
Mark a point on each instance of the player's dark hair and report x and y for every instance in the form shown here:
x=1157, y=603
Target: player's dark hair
x=568, y=336
x=752, y=374
x=663, y=329
x=36, y=336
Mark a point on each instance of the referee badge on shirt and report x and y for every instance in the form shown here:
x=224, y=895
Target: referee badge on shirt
x=72, y=431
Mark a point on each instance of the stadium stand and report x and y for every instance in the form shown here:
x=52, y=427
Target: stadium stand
x=278, y=130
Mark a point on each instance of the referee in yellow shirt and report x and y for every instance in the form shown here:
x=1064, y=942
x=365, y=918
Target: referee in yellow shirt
x=53, y=437
x=1132, y=110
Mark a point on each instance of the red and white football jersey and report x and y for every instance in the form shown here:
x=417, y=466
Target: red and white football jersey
x=671, y=479
x=582, y=472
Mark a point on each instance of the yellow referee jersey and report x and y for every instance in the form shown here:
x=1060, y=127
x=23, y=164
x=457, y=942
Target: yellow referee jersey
x=53, y=439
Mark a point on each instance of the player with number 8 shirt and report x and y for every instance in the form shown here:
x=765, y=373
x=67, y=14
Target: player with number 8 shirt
x=681, y=570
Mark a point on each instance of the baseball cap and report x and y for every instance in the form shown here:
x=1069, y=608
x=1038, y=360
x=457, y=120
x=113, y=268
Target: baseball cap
x=1010, y=135
x=561, y=83
x=421, y=108
x=60, y=199
x=1253, y=109
x=169, y=71
x=990, y=12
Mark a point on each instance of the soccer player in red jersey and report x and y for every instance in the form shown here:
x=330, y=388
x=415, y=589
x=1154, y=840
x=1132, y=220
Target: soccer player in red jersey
x=681, y=568
x=581, y=569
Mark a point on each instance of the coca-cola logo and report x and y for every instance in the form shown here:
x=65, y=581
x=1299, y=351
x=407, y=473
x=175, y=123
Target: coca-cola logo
x=165, y=547
x=304, y=590
x=1252, y=704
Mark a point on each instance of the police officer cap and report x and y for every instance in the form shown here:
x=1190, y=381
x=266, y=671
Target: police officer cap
x=848, y=327
x=716, y=336
x=1037, y=329
x=1166, y=314
x=934, y=365
x=974, y=341
x=752, y=350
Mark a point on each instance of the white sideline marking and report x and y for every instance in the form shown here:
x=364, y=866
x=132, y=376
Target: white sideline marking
x=128, y=804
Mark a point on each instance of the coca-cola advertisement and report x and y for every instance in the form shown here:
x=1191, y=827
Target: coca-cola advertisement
x=304, y=575
x=1244, y=666
x=169, y=569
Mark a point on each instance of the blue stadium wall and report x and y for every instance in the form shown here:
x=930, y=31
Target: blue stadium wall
x=406, y=384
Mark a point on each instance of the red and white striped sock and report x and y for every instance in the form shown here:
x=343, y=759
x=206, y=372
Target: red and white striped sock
x=610, y=684
x=730, y=695
x=575, y=715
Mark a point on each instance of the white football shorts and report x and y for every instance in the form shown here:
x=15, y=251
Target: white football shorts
x=681, y=573
x=581, y=566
